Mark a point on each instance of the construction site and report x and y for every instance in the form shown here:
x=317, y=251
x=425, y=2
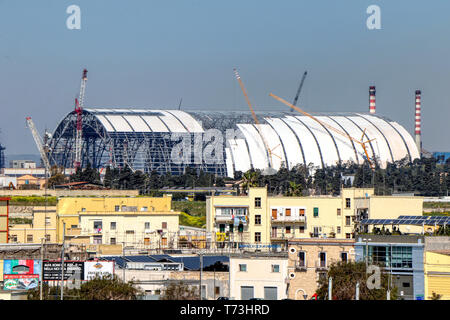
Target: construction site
x=147, y=139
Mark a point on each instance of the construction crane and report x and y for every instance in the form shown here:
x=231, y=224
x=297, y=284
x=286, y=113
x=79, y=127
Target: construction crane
x=43, y=148
x=360, y=142
x=255, y=118
x=79, y=104
x=299, y=89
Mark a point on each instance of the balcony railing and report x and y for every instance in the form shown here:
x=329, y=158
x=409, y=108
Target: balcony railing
x=301, y=266
x=283, y=236
x=293, y=219
x=71, y=232
x=321, y=265
x=224, y=217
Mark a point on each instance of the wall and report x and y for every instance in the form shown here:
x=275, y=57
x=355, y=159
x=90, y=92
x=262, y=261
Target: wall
x=37, y=229
x=437, y=274
x=4, y=211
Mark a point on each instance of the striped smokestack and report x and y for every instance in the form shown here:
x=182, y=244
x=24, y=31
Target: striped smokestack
x=372, y=106
x=418, y=127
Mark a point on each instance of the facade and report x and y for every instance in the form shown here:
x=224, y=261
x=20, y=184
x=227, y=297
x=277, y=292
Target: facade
x=258, y=276
x=260, y=220
x=22, y=164
x=437, y=274
x=4, y=220
x=43, y=226
x=137, y=222
x=402, y=257
x=309, y=260
x=149, y=139
x=29, y=180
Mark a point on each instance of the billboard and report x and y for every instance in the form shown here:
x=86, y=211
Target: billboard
x=97, y=268
x=21, y=274
x=73, y=270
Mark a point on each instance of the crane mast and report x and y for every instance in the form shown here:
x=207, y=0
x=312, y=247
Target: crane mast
x=360, y=142
x=43, y=149
x=299, y=89
x=79, y=104
x=255, y=118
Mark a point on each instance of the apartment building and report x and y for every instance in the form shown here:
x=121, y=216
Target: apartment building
x=258, y=275
x=4, y=217
x=437, y=267
x=309, y=260
x=42, y=226
x=260, y=219
x=134, y=222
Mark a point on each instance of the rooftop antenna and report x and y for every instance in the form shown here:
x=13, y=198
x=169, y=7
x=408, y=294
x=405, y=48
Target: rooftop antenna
x=179, y=106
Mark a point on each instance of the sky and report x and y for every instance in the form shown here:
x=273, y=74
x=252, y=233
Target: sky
x=150, y=54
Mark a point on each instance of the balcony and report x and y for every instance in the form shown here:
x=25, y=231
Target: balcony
x=224, y=218
x=72, y=232
x=291, y=219
x=301, y=266
x=283, y=236
x=321, y=265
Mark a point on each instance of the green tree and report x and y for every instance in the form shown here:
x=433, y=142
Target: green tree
x=180, y=291
x=345, y=275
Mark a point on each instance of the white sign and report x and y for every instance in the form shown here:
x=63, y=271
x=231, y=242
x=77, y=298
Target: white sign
x=97, y=268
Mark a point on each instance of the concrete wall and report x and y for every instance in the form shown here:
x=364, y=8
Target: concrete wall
x=70, y=193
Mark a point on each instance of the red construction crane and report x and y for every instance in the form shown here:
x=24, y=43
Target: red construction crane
x=79, y=103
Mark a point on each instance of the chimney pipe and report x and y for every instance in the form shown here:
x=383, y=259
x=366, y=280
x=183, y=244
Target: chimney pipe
x=418, y=121
x=372, y=105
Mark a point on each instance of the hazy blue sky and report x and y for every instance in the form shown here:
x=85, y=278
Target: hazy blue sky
x=152, y=53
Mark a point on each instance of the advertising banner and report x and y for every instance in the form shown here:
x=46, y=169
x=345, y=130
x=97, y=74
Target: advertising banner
x=97, y=268
x=73, y=270
x=21, y=274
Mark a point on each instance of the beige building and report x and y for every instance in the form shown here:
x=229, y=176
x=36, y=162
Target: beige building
x=260, y=219
x=135, y=222
x=4, y=217
x=42, y=226
x=258, y=275
x=309, y=260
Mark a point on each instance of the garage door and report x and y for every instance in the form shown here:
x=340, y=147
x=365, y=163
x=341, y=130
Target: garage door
x=439, y=285
x=270, y=293
x=247, y=293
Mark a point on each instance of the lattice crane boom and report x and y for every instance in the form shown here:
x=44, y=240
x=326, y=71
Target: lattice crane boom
x=79, y=104
x=360, y=142
x=299, y=89
x=37, y=139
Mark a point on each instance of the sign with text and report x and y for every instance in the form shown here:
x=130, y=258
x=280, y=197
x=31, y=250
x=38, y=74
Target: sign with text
x=21, y=274
x=97, y=268
x=72, y=270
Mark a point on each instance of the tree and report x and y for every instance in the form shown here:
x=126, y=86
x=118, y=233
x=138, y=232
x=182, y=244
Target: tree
x=435, y=296
x=345, y=275
x=180, y=291
x=110, y=287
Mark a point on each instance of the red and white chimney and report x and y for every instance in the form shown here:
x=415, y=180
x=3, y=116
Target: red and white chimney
x=418, y=127
x=372, y=106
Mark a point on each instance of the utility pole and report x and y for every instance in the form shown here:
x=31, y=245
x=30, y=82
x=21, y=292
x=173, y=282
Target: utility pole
x=123, y=257
x=201, y=270
x=330, y=288
x=42, y=266
x=62, y=261
x=357, y=291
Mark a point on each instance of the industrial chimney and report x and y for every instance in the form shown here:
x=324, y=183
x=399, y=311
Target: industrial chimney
x=418, y=130
x=372, y=106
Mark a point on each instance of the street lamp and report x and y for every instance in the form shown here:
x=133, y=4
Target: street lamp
x=367, y=251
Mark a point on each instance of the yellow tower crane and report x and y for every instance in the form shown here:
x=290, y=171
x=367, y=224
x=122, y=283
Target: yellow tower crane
x=360, y=142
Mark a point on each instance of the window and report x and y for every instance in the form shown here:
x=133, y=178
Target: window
x=288, y=212
x=257, y=202
x=338, y=211
x=117, y=208
x=241, y=228
x=322, y=276
x=301, y=259
x=48, y=221
x=217, y=291
x=97, y=239
x=97, y=226
x=74, y=226
x=129, y=232
x=301, y=229
x=275, y=268
x=348, y=220
x=146, y=241
x=406, y=284
x=323, y=259
x=274, y=213
x=243, y=267
x=316, y=212
x=347, y=203
x=274, y=232
x=344, y=256
x=338, y=230
x=257, y=236
x=316, y=232
x=221, y=227
x=164, y=225
x=302, y=212
x=258, y=219
x=112, y=241
x=147, y=225
x=83, y=209
x=288, y=229
x=29, y=238
x=144, y=209
x=270, y=293
x=231, y=228
x=348, y=235
x=113, y=226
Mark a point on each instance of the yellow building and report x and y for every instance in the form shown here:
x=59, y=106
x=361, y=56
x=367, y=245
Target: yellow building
x=259, y=219
x=135, y=222
x=4, y=217
x=437, y=274
x=43, y=226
